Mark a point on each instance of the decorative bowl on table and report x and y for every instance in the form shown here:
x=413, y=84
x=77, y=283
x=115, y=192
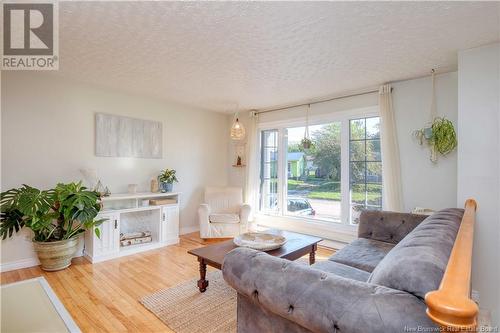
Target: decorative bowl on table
x=260, y=241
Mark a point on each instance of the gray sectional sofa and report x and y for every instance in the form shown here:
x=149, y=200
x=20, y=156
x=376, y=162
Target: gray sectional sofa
x=377, y=283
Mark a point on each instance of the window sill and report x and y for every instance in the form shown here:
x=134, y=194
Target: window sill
x=337, y=232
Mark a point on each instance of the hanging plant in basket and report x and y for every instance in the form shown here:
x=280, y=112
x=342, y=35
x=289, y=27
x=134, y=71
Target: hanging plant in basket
x=306, y=142
x=440, y=136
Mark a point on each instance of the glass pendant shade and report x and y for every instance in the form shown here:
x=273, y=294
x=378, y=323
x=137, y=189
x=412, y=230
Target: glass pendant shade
x=237, y=131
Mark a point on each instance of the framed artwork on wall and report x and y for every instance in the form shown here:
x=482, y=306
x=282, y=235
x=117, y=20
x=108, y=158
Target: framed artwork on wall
x=118, y=136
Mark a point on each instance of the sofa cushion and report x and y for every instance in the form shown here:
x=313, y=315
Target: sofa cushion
x=224, y=218
x=362, y=253
x=417, y=263
x=342, y=270
x=390, y=227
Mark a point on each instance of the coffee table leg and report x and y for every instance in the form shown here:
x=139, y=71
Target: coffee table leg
x=312, y=255
x=202, y=282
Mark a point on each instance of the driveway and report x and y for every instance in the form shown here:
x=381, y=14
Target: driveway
x=326, y=209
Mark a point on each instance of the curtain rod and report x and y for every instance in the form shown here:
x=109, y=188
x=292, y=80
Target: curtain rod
x=317, y=102
x=442, y=71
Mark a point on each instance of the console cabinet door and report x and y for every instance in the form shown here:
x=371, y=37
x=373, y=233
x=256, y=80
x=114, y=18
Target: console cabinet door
x=173, y=222
x=109, y=242
x=169, y=223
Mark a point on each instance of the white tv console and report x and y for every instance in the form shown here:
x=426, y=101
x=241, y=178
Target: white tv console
x=128, y=213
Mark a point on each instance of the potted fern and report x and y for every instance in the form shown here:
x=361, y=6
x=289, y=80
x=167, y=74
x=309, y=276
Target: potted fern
x=56, y=216
x=440, y=136
x=166, y=180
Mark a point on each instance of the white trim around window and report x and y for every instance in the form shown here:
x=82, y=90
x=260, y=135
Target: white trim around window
x=343, y=232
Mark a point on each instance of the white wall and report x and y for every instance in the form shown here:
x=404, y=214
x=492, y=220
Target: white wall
x=48, y=135
x=424, y=184
x=478, y=164
x=236, y=176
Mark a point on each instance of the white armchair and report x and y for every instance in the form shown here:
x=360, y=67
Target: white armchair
x=223, y=214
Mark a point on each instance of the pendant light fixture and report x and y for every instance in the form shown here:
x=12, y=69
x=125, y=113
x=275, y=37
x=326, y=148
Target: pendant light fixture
x=306, y=141
x=237, y=129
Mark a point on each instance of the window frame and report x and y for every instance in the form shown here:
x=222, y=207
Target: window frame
x=365, y=161
x=344, y=118
x=261, y=163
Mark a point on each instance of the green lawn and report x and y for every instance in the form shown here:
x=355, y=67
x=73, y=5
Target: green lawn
x=318, y=188
x=314, y=184
x=325, y=195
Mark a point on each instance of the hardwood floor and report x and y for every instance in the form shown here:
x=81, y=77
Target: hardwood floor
x=103, y=297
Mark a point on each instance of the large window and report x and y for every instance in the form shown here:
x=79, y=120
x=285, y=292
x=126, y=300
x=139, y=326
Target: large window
x=313, y=176
x=269, y=171
x=331, y=182
x=365, y=165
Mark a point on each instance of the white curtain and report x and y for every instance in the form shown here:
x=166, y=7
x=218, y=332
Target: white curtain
x=391, y=167
x=252, y=174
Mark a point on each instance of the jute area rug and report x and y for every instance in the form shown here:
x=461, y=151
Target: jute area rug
x=185, y=310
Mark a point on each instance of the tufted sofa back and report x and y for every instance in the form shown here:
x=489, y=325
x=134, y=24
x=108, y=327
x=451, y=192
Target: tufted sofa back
x=390, y=227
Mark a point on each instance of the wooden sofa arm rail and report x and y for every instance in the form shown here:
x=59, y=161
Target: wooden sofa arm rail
x=450, y=306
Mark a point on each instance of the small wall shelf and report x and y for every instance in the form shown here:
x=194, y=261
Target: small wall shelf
x=239, y=166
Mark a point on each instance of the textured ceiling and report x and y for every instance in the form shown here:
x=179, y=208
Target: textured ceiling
x=215, y=55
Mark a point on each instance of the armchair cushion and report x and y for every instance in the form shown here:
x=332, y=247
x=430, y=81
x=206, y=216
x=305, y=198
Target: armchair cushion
x=363, y=254
x=224, y=218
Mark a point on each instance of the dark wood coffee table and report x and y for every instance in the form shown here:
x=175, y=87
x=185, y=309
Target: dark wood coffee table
x=296, y=246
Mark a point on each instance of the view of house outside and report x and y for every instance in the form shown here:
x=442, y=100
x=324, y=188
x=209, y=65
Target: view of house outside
x=313, y=175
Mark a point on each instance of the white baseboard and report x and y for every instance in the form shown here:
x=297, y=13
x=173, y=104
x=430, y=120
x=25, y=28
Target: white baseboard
x=25, y=263
x=19, y=264
x=189, y=229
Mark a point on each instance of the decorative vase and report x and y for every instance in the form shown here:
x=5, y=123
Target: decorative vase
x=132, y=188
x=154, y=185
x=55, y=256
x=166, y=187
